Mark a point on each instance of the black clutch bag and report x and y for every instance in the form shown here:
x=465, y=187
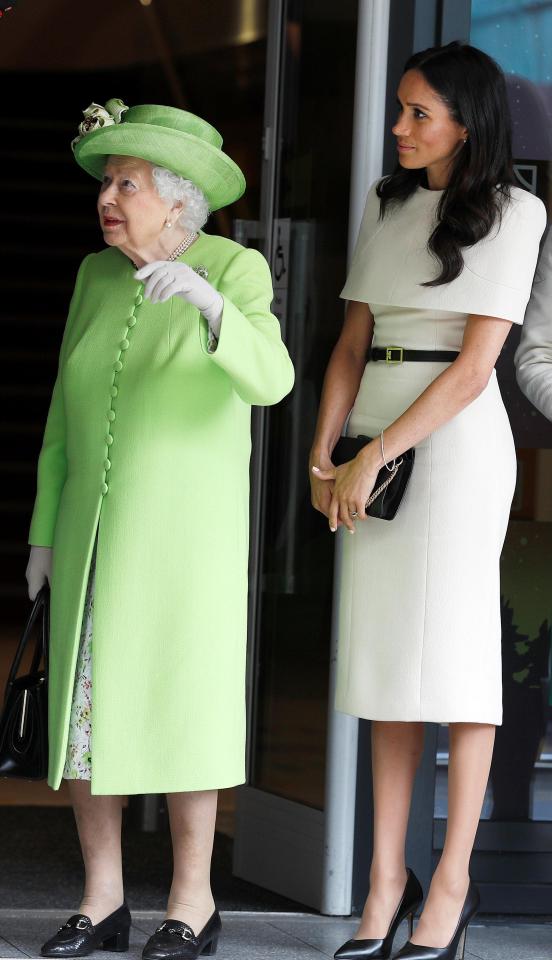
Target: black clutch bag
x=384, y=501
x=24, y=719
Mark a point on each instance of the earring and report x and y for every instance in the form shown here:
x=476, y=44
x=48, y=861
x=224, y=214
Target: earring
x=168, y=224
x=465, y=139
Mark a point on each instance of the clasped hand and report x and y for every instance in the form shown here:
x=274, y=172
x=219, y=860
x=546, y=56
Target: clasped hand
x=167, y=278
x=350, y=486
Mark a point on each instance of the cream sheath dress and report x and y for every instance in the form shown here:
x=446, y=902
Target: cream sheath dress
x=420, y=635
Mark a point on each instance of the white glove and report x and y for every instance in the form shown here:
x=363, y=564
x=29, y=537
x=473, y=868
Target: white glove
x=167, y=278
x=39, y=569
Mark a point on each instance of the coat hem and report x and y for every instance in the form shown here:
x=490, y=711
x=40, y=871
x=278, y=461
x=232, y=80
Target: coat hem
x=422, y=716
x=118, y=790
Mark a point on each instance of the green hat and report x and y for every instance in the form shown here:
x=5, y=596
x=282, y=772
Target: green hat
x=167, y=137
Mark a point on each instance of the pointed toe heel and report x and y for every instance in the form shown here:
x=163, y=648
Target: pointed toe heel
x=381, y=949
x=457, y=946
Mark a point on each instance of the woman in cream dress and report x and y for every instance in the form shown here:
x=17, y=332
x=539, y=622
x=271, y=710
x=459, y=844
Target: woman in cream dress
x=420, y=617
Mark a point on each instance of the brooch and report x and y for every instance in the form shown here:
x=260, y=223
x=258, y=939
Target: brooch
x=202, y=270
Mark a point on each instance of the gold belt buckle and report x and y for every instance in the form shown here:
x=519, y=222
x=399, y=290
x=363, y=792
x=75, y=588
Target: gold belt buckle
x=390, y=354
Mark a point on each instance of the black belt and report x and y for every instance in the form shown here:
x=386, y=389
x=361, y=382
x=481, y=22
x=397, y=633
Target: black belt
x=400, y=355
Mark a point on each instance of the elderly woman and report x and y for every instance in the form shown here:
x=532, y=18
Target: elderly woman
x=142, y=506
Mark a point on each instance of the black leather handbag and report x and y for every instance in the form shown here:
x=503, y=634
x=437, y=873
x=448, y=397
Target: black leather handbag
x=390, y=485
x=24, y=718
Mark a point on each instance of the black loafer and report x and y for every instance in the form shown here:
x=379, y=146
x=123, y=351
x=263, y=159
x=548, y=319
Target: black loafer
x=79, y=937
x=174, y=940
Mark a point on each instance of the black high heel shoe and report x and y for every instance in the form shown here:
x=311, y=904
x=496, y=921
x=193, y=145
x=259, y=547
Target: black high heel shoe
x=79, y=937
x=458, y=941
x=381, y=949
x=174, y=940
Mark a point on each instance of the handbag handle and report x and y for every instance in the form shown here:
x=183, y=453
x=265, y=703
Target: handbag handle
x=41, y=607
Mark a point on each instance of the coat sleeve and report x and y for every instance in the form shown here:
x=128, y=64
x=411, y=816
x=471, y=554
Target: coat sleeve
x=250, y=347
x=52, y=464
x=533, y=357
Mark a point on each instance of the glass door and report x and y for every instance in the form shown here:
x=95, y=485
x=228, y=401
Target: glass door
x=280, y=825
x=513, y=855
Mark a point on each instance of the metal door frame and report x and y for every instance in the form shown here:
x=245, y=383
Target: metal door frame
x=295, y=850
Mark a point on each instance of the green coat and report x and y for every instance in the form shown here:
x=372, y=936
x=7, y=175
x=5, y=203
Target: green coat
x=148, y=442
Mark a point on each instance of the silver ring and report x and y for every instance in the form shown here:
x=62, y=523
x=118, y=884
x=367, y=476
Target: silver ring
x=354, y=514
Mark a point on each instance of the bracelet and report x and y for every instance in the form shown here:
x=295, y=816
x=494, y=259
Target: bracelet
x=387, y=467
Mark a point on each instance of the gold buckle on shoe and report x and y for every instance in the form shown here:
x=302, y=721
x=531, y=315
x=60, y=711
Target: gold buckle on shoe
x=391, y=354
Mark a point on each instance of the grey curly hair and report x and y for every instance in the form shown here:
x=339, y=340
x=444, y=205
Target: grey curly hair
x=171, y=187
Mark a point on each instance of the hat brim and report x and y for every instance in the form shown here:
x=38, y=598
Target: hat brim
x=220, y=179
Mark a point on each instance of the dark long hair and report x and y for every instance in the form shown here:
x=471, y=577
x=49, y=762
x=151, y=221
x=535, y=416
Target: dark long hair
x=473, y=87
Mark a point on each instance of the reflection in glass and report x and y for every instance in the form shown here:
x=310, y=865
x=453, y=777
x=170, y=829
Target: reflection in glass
x=309, y=264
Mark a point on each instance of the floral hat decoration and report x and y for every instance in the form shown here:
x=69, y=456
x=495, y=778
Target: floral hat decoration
x=166, y=136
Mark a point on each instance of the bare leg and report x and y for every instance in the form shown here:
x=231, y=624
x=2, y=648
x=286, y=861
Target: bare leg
x=99, y=827
x=192, y=818
x=471, y=750
x=396, y=752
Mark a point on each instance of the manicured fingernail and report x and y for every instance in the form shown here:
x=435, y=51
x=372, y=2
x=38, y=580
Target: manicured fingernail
x=333, y=529
x=351, y=531
x=316, y=469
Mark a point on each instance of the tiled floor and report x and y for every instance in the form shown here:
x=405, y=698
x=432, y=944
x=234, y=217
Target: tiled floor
x=278, y=936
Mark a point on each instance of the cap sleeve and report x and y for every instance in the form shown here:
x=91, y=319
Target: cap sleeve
x=502, y=266
x=391, y=261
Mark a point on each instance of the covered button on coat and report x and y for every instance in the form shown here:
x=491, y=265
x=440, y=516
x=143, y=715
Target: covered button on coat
x=147, y=443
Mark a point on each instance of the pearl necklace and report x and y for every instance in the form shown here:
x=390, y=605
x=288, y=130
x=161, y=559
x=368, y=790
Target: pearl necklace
x=182, y=247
